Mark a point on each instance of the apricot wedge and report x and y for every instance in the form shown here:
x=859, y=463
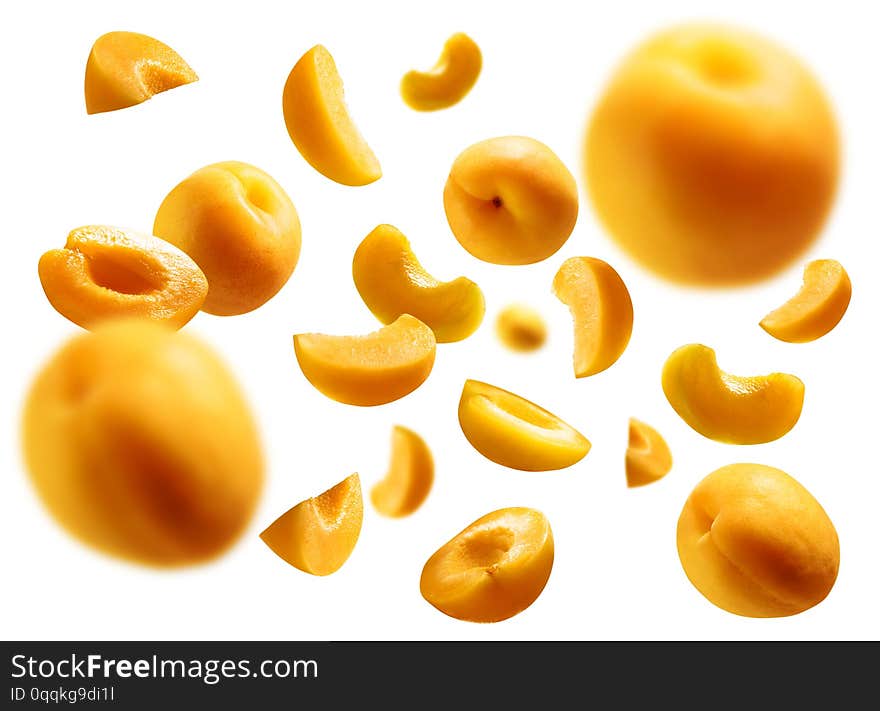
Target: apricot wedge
x=449, y=81
x=319, y=124
x=105, y=272
x=602, y=311
x=516, y=433
x=816, y=308
x=318, y=534
x=648, y=458
x=729, y=408
x=409, y=478
x=391, y=282
x=368, y=370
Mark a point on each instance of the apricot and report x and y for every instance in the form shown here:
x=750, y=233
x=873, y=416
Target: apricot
x=494, y=569
x=712, y=157
x=756, y=543
x=602, y=311
x=319, y=123
x=318, y=535
x=409, y=478
x=510, y=200
x=240, y=227
x=648, y=458
x=140, y=444
x=517, y=433
x=368, y=370
x=127, y=68
x=449, y=81
x=816, y=309
x=105, y=272
x=521, y=328
x=730, y=408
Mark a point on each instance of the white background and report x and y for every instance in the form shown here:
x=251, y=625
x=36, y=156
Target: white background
x=616, y=574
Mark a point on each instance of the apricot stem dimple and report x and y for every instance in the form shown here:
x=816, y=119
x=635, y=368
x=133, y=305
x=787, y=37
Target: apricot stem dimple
x=497, y=202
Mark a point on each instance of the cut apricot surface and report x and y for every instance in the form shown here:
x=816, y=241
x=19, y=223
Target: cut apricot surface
x=409, y=478
x=449, y=81
x=648, y=458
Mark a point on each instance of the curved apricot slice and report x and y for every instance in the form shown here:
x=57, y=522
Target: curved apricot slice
x=391, y=282
x=449, y=81
x=816, y=308
x=730, y=408
x=318, y=534
x=515, y=432
x=127, y=68
x=409, y=478
x=602, y=311
x=368, y=370
x=521, y=328
x=494, y=569
x=319, y=123
x=104, y=272
x=647, y=455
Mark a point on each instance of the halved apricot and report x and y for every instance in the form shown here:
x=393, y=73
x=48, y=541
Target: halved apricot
x=409, y=478
x=449, y=81
x=648, y=458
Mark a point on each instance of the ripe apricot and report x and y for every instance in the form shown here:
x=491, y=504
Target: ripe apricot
x=521, y=328
x=648, y=458
x=449, y=81
x=409, y=478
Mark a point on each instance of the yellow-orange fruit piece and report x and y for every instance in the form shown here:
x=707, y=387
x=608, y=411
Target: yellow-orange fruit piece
x=127, y=68
x=521, y=328
x=816, y=308
x=712, y=157
x=510, y=200
x=140, y=443
x=516, y=433
x=494, y=569
x=729, y=408
x=756, y=543
x=105, y=272
x=368, y=370
x=409, y=478
x=318, y=535
x=392, y=282
x=648, y=458
x=240, y=227
x=319, y=124
x=449, y=81
x=602, y=311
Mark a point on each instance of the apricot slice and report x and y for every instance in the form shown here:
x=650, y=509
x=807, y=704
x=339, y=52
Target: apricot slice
x=127, y=68
x=521, y=328
x=816, y=308
x=449, y=81
x=602, y=311
x=494, y=569
x=368, y=370
x=730, y=408
x=516, y=433
x=105, y=272
x=319, y=123
x=409, y=478
x=648, y=458
x=391, y=282
x=318, y=534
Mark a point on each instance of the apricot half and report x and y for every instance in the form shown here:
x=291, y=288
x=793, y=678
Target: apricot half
x=451, y=78
x=409, y=478
x=516, y=433
x=648, y=458
x=730, y=408
x=127, y=68
x=816, y=308
x=521, y=328
x=391, y=282
x=368, y=370
x=494, y=569
x=318, y=535
x=319, y=124
x=756, y=543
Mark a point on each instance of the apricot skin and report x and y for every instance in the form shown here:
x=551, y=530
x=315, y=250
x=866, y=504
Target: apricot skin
x=521, y=328
x=409, y=478
x=648, y=458
x=450, y=80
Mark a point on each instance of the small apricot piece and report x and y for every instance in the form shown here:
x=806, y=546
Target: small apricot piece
x=318, y=534
x=492, y=570
x=516, y=433
x=521, y=328
x=729, y=408
x=816, y=308
x=105, y=272
x=409, y=478
x=391, y=282
x=510, y=200
x=602, y=311
x=756, y=543
x=319, y=124
x=368, y=370
x=449, y=81
x=648, y=458
x=127, y=68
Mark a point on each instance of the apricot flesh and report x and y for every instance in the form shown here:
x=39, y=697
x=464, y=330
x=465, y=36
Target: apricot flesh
x=409, y=478
x=449, y=81
x=521, y=328
x=648, y=458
